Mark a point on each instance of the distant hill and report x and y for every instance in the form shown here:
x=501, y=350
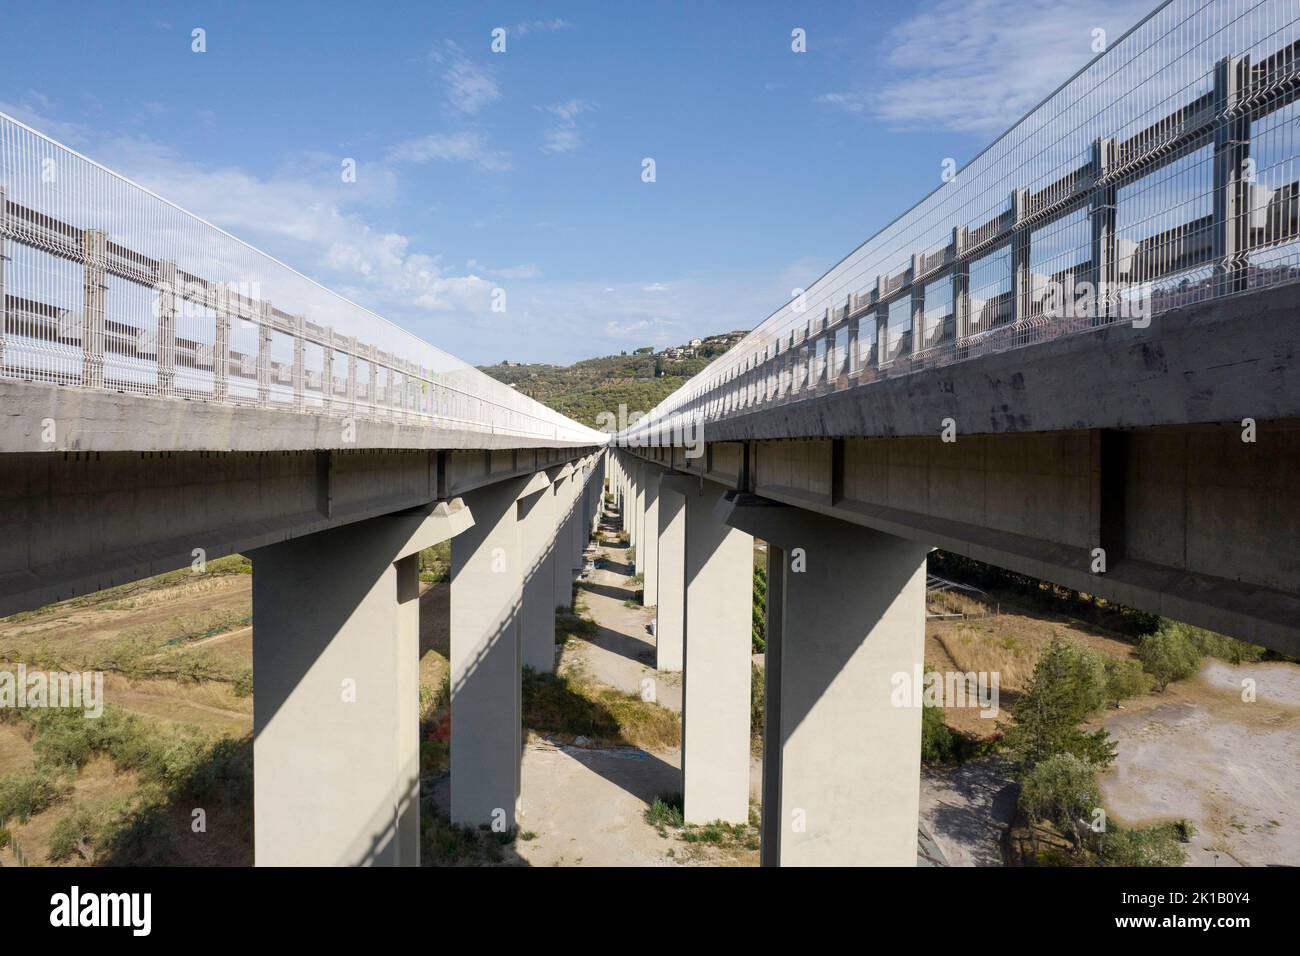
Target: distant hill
x=641, y=380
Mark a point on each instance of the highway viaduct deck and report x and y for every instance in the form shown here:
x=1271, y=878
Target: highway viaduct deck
x=334, y=532
x=1156, y=468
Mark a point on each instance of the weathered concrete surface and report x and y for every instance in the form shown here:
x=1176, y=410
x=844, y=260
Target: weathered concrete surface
x=716, y=660
x=1218, y=361
x=87, y=420
x=486, y=660
x=842, y=759
x=1195, y=523
x=75, y=523
x=336, y=692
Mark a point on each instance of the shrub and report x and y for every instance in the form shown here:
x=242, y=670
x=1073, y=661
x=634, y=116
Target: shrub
x=1149, y=846
x=936, y=738
x=758, y=618
x=1125, y=679
x=1169, y=654
x=79, y=832
x=1063, y=791
x=25, y=794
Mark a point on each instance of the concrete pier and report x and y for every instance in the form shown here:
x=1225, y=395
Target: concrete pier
x=670, y=611
x=716, y=660
x=486, y=658
x=537, y=539
x=336, y=691
x=842, y=761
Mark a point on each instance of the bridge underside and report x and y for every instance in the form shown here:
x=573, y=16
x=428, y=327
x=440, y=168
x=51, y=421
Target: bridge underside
x=75, y=522
x=1195, y=523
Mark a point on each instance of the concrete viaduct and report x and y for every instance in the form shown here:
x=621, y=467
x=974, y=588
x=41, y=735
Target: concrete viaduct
x=334, y=535
x=169, y=395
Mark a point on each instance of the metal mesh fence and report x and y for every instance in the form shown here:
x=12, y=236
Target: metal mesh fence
x=1163, y=173
x=104, y=285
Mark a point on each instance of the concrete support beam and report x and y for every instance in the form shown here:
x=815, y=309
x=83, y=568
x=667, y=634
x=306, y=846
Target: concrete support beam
x=336, y=692
x=486, y=709
x=842, y=761
x=670, y=611
x=716, y=660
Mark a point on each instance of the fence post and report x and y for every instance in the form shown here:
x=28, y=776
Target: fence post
x=960, y=286
x=94, y=249
x=352, y=375
x=327, y=373
x=264, y=339
x=1101, y=209
x=4, y=302
x=166, y=279
x=299, y=367
x=918, y=305
x=221, y=346
x=1020, y=280
x=1232, y=181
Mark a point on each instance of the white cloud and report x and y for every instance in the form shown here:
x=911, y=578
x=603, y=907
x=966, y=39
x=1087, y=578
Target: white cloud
x=539, y=26
x=564, y=136
x=979, y=65
x=468, y=147
x=469, y=86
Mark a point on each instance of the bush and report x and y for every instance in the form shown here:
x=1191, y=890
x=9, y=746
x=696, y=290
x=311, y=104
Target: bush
x=1169, y=654
x=25, y=794
x=757, y=696
x=1149, y=846
x=758, y=618
x=1061, y=790
x=1125, y=679
x=936, y=738
x=79, y=832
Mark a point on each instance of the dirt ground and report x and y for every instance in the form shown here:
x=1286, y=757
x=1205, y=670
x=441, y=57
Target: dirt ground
x=1201, y=753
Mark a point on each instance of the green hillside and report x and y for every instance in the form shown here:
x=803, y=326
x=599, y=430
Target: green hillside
x=585, y=389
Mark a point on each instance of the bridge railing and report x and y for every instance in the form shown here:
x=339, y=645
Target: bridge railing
x=105, y=285
x=1166, y=172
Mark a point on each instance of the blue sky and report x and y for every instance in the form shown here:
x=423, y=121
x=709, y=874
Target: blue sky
x=522, y=170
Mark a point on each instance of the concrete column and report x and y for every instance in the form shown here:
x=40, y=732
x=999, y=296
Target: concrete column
x=716, y=660
x=561, y=566
x=336, y=692
x=648, y=554
x=486, y=709
x=638, y=512
x=670, y=611
x=841, y=770
x=577, y=524
x=537, y=532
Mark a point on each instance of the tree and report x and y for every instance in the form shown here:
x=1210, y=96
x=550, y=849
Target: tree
x=1169, y=654
x=1069, y=684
